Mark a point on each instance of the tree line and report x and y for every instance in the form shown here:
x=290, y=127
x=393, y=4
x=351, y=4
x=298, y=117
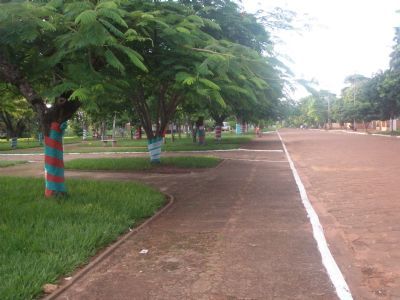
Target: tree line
x=148, y=59
x=362, y=101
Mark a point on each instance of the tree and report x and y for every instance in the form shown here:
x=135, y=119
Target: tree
x=390, y=83
x=253, y=84
x=15, y=113
x=52, y=53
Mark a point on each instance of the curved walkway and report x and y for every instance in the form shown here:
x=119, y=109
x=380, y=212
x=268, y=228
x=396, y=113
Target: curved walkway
x=238, y=231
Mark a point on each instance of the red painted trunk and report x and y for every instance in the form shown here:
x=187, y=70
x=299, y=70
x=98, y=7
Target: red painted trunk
x=54, y=161
x=218, y=130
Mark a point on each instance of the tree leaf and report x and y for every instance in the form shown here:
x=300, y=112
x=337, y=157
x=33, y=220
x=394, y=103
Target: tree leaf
x=113, y=15
x=182, y=30
x=133, y=56
x=80, y=94
x=209, y=84
x=112, y=28
x=86, y=17
x=113, y=61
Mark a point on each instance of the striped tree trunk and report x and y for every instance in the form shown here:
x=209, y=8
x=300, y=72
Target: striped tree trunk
x=154, y=146
x=14, y=142
x=138, y=133
x=201, y=131
x=238, y=128
x=54, y=160
x=218, y=130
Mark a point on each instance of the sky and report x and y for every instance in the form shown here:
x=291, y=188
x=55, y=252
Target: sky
x=346, y=37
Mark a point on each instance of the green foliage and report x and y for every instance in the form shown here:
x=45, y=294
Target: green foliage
x=15, y=114
x=155, y=55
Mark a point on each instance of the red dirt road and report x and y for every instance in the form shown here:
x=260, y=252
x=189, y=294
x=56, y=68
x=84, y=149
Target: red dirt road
x=353, y=182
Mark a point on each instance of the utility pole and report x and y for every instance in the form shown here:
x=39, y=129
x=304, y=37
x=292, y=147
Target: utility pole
x=354, y=104
x=329, y=112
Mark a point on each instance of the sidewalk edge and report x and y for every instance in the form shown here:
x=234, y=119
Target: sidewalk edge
x=109, y=250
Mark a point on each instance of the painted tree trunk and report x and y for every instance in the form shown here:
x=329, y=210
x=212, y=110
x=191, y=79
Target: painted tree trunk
x=244, y=127
x=218, y=130
x=172, y=132
x=40, y=138
x=154, y=146
x=238, y=128
x=138, y=133
x=202, y=134
x=54, y=160
x=14, y=142
x=84, y=134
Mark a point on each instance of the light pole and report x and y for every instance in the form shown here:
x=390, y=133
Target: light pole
x=354, y=105
x=329, y=112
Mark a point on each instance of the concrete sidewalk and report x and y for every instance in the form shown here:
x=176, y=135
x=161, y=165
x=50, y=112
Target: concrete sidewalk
x=238, y=231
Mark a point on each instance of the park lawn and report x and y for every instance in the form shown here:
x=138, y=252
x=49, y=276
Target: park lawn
x=28, y=143
x=140, y=163
x=75, y=144
x=43, y=239
x=229, y=141
x=10, y=163
x=22, y=144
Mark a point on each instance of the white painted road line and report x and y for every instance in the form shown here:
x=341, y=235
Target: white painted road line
x=226, y=150
x=257, y=160
x=328, y=261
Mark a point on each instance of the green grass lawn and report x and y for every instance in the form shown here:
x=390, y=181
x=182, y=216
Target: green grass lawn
x=27, y=143
x=9, y=163
x=75, y=144
x=229, y=141
x=22, y=144
x=43, y=239
x=139, y=163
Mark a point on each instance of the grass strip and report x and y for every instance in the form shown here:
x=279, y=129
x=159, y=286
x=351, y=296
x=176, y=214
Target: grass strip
x=43, y=239
x=10, y=163
x=140, y=163
x=74, y=144
x=229, y=141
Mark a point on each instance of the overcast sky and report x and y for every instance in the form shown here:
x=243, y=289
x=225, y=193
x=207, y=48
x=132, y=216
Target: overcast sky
x=347, y=37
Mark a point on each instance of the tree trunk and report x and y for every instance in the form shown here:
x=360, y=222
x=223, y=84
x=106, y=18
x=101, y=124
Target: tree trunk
x=14, y=142
x=166, y=107
x=219, y=122
x=138, y=133
x=54, y=160
x=113, y=132
x=49, y=120
x=172, y=132
x=201, y=133
x=103, y=130
x=179, y=129
x=238, y=126
x=218, y=129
